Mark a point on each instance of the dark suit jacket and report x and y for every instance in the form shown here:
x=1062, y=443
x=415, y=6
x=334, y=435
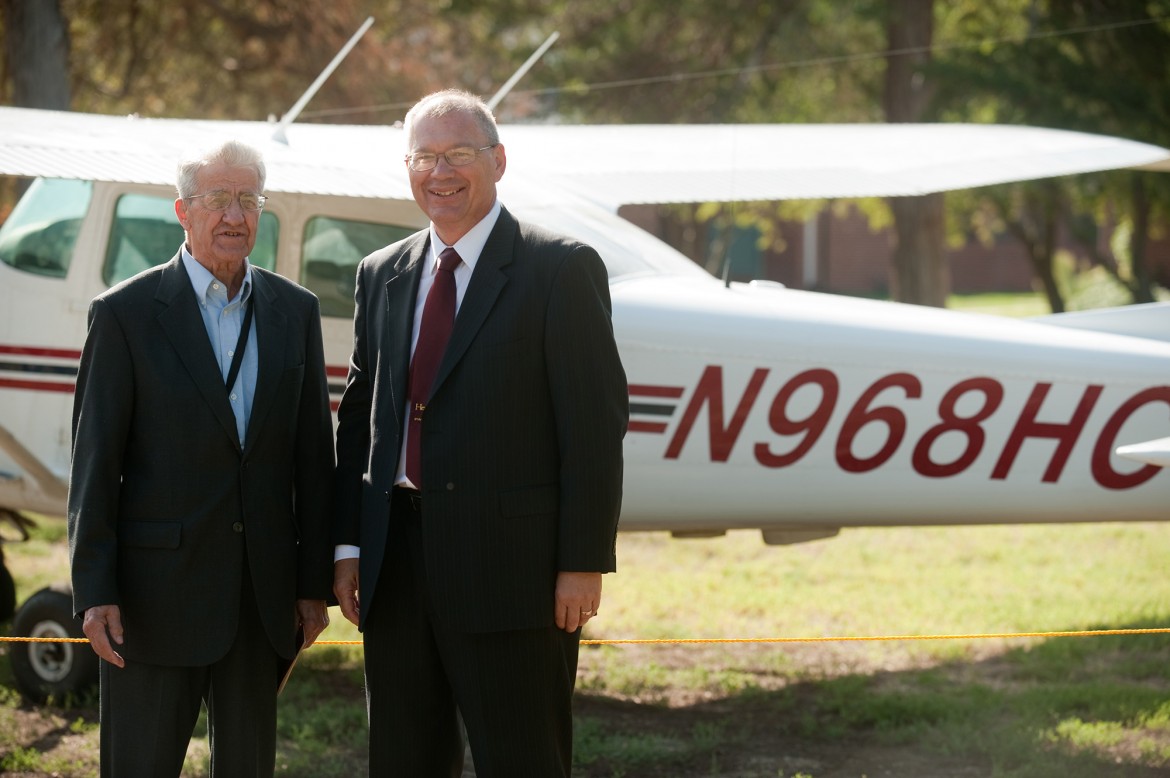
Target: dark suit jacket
x=522, y=439
x=164, y=501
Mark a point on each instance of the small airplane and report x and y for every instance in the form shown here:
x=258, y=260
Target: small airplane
x=752, y=405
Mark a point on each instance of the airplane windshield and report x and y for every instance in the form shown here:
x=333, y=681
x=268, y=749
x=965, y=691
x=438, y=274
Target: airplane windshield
x=40, y=234
x=627, y=250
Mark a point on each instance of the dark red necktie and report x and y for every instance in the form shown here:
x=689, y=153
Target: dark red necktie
x=433, y=333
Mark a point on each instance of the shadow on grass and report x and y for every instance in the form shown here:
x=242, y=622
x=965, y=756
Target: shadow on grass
x=1069, y=707
x=1065, y=707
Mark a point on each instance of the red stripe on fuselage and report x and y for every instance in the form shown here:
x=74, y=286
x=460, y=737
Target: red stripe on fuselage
x=647, y=390
x=36, y=386
x=32, y=351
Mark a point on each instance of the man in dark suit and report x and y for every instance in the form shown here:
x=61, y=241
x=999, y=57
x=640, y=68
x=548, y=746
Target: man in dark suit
x=477, y=510
x=198, y=527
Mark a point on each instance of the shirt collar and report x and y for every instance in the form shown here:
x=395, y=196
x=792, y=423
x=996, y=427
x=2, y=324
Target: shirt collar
x=202, y=279
x=470, y=246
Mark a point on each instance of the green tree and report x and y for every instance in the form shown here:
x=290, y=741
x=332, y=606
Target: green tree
x=36, y=45
x=1084, y=65
x=919, y=263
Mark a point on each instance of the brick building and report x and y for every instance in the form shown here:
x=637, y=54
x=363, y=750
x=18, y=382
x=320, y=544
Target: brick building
x=841, y=254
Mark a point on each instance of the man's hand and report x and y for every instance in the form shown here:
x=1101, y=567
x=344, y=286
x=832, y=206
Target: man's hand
x=578, y=597
x=313, y=617
x=345, y=588
x=101, y=623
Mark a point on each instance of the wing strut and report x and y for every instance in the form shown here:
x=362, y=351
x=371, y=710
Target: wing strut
x=1151, y=452
x=290, y=117
x=519, y=74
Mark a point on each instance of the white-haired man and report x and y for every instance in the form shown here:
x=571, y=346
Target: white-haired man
x=198, y=526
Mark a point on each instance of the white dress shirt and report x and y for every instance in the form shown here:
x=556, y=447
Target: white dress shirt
x=469, y=247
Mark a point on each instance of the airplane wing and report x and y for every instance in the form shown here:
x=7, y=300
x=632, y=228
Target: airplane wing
x=349, y=161
x=1147, y=320
x=612, y=165
x=620, y=165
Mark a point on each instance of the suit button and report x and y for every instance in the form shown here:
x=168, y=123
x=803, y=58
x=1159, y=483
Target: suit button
x=450, y=487
x=238, y=526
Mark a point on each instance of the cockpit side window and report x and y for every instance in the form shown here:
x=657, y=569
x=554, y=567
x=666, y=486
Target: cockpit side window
x=41, y=233
x=330, y=254
x=145, y=232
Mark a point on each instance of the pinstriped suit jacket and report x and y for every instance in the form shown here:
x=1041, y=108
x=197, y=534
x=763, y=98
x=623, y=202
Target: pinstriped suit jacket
x=522, y=441
x=164, y=500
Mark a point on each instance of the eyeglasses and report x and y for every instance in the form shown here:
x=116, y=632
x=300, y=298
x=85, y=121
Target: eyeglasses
x=464, y=155
x=220, y=200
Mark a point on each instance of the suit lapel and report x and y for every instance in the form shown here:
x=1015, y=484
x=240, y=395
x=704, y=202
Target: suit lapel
x=485, y=286
x=270, y=322
x=182, y=322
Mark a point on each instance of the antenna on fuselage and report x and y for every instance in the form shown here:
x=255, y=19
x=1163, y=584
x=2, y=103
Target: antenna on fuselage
x=519, y=74
x=290, y=117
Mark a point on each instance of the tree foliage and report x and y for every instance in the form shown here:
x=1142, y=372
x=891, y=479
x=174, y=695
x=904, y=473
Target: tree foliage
x=1088, y=65
x=36, y=46
x=1096, y=65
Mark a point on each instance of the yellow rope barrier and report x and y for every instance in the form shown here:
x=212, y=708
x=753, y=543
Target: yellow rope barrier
x=691, y=641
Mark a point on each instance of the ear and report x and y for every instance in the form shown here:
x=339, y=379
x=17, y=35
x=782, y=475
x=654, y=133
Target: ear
x=181, y=211
x=501, y=159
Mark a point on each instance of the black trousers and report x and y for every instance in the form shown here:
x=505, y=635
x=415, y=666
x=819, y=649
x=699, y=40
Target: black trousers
x=513, y=689
x=148, y=712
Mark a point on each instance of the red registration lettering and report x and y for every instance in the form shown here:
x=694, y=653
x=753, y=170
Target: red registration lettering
x=811, y=426
x=1102, y=467
x=861, y=414
x=710, y=392
x=952, y=422
x=1028, y=427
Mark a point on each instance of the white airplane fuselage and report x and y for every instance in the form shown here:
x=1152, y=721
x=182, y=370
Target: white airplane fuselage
x=752, y=406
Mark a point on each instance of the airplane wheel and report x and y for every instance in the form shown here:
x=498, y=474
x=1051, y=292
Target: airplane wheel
x=7, y=592
x=57, y=670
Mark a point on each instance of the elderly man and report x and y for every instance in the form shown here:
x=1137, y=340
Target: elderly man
x=198, y=530
x=479, y=467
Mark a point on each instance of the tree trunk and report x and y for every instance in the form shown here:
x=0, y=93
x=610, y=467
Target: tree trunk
x=1037, y=226
x=36, y=47
x=919, y=272
x=1043, y=250
x=1142, y=284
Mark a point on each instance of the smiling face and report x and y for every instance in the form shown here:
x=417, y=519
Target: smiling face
x=220, y=239
x=455, y=198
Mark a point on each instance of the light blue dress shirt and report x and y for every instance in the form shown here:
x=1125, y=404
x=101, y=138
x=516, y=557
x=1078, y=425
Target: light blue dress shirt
x=223, y=318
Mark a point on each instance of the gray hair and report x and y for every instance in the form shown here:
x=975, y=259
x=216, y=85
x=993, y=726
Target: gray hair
x=232, y=153
x=449, y=101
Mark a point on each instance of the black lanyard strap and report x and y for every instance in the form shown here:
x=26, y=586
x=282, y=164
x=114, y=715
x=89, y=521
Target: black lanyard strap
x=238, y=357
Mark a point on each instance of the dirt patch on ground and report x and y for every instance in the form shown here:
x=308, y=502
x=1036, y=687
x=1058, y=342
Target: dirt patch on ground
x=761, y=734
x=66, y=739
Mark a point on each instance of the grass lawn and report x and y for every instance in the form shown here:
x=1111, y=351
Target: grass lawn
x=1004, y=706
x=852, y=705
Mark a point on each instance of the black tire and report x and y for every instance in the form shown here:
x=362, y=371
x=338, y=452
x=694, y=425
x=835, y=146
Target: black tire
x=61, y=671
x=7, y=592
